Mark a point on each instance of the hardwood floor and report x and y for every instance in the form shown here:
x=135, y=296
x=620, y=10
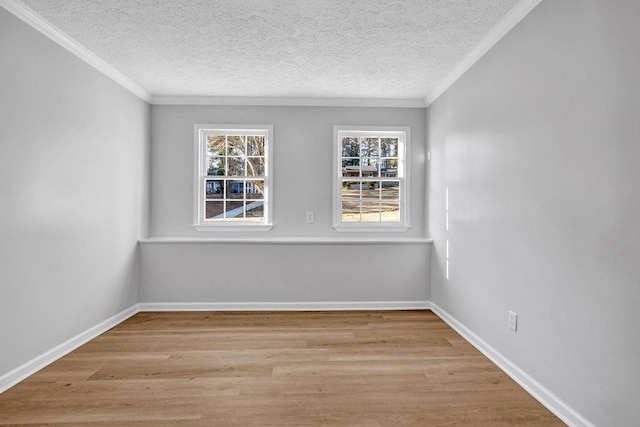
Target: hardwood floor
x=275, y=369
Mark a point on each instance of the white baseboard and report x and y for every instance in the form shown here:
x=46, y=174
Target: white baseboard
x=13, y=377
x=533, y=387
x=285, y=306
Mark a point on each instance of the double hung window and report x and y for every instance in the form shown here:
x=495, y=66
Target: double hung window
x=233, y=177
x=370, y=179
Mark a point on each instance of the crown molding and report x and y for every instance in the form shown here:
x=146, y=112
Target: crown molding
x=27, y=15
x=287, y=101
x=520, y=10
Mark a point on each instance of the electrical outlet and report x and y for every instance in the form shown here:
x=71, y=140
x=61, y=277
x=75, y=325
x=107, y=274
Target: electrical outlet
x=513, y=320
x=311, y=218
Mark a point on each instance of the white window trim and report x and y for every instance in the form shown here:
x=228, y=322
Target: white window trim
x=199, y=222
x=403, y=168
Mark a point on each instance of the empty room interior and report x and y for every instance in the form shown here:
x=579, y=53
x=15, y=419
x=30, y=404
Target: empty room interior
x=281, y=212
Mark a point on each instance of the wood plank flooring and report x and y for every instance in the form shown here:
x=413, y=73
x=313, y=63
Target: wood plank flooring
x=373, y=368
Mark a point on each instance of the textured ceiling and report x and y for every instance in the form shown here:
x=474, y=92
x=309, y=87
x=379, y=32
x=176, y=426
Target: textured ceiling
x=279, y=48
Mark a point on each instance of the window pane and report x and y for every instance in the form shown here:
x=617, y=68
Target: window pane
x=215, y=145
x=214, y=210
x=370, y=167
x=369, y=147
x=215, y=166
x=350, y=211
x=255, y=166
x=371, y=190
x=214, y=189
x=391, y=215
x=389, y=163
x=254, y=210
x=350, y=147
x=235, y=166
x=351, y=190
x=350, y=167
x=391, y=211
x=234, y=209
x=254, y=189
x=391, y=190
x=235, y=145
x=351, y=200
x=235, y=189
x=389, y=168
x=389, y=147
x=370, y=211
x=255, y=146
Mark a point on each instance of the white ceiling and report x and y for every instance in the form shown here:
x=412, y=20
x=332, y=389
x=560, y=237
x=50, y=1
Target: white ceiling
x=399, y=49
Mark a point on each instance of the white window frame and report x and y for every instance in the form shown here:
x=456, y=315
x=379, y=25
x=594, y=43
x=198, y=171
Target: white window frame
x=404, y=135
x=200, y=173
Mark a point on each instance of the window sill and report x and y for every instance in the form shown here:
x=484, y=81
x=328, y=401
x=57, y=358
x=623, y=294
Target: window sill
x=233, y=227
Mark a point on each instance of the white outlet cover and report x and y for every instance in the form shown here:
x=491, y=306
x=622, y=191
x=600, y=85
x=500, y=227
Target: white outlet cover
x=310, y=217
x=513, y=321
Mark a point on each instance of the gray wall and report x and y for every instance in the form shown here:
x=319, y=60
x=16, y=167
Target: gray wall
x=73, y=191
x=324, y=273
x=303, y=166
x=302, y=161
x=539, y=146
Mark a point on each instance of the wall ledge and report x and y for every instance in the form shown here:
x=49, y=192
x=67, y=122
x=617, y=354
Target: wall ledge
x=291, y=240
